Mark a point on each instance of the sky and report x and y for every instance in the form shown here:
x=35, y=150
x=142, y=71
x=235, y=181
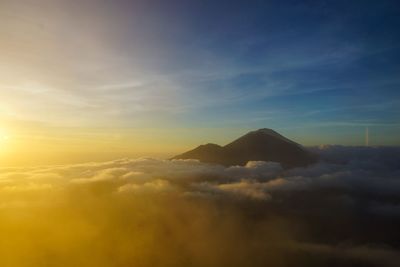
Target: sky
x=100, y=80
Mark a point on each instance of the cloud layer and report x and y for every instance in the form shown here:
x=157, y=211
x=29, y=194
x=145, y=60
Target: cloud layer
x=151, y=212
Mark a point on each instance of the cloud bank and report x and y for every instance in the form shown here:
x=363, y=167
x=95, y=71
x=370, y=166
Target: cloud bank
x=149, y=212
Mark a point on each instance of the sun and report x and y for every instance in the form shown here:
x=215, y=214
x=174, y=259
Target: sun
x=4, y=135
x=4, y=142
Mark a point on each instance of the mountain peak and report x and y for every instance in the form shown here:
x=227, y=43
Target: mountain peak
x=266, y=131
x=259, y=145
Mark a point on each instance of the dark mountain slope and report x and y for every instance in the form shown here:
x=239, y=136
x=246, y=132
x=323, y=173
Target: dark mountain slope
x=211, y=153
x=261, y=145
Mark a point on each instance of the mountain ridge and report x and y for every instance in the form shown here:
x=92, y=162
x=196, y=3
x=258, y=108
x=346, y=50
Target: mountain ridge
x=260, y=145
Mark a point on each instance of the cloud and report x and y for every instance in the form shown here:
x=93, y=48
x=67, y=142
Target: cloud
x=157, y=186
x=243, y=189
x=366, y=255
x=152, y=212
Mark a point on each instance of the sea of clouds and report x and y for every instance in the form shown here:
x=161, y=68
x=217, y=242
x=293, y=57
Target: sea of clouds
x=342, y=211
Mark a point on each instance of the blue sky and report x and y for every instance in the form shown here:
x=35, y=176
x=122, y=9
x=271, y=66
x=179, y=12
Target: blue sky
x=317, y=71
x=328, y=67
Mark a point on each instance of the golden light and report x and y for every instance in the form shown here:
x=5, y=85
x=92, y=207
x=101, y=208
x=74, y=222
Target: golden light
x=4, y=136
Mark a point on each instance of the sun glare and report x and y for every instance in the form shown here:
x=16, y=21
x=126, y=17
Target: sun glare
x=3, y=135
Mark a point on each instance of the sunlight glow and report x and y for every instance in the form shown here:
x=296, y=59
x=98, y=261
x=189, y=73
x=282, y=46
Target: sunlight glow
x=3, y=135
x=4, y=144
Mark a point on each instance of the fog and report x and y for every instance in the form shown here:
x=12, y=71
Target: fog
x=342, y=211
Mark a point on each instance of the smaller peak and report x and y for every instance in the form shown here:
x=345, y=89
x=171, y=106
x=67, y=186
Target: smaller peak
x=210, y=145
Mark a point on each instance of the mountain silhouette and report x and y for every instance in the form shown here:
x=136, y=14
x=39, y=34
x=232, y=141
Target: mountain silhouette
x=260, y=145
